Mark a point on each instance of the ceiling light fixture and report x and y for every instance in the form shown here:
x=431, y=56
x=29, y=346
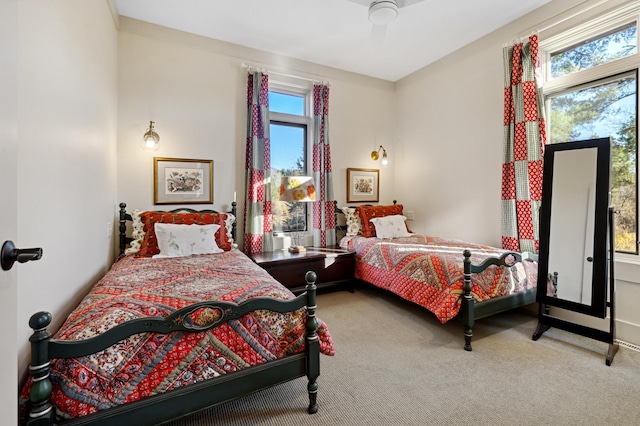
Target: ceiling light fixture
x=383, y=12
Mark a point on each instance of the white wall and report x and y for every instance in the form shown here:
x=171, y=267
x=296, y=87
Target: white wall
x=9, y=196
x=449, y=141
x=67, y=123
x=195, y=90
x=450, y=135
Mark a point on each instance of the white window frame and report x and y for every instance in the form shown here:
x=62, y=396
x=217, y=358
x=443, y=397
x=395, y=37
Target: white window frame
x=585, y=31
x=627, y=265
x=306, y=120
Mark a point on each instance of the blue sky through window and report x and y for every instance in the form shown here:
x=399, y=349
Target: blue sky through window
x=287, y=145
x=288, y=104
x=287, y=142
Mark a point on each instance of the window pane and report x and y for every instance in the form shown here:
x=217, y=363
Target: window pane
x=288, y=142
x=603, y=110
x=616, y=44
x=286, y=103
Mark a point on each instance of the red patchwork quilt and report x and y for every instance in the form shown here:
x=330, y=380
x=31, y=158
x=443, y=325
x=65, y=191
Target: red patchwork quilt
x=428, y=271
x=149, y=363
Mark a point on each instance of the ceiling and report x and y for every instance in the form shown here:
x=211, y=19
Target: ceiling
x=337, y=33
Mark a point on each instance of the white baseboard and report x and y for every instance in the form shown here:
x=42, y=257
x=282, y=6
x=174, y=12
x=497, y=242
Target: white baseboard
x=627, y=332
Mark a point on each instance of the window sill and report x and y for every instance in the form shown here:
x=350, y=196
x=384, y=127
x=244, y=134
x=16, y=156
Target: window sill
x=627, y=269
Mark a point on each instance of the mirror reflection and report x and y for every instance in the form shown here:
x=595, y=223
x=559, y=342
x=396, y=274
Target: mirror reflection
x=572, y=225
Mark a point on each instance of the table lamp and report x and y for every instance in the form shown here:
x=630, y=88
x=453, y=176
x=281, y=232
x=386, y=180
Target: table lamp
x=297, y=189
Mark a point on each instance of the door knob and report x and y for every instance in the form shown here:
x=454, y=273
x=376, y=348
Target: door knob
x=10, y=254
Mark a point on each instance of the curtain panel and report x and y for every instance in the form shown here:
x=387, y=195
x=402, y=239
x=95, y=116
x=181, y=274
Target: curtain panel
x=324, y=222
x=524, y=140
x=258, y=224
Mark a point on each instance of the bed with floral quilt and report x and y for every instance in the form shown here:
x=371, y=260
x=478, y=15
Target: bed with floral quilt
x=430, y=271
x=162, y=336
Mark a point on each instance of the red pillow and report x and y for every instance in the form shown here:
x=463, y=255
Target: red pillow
x=367, y=213
x=149, y=246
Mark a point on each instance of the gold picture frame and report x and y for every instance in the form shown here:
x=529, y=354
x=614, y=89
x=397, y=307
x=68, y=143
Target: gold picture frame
x=363, y=185
x=182, y=181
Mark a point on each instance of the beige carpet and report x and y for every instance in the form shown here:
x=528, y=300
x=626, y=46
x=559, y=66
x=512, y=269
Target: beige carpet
x=397, y=365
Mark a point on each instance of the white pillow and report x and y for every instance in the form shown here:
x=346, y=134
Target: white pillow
x=391, y=226
x=176, y=240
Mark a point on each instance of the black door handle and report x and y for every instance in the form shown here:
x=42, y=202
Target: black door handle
x=589, y=259
x=10, y=254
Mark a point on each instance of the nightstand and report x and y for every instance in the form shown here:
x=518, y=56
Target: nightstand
x=333, y=266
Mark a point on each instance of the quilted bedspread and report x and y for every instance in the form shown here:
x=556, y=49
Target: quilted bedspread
x=428, y=270
x=149, y=363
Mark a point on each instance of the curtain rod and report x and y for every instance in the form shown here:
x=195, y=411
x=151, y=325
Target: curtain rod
x=282, y=74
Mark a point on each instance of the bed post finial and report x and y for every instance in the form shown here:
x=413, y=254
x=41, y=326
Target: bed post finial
x=41, y=387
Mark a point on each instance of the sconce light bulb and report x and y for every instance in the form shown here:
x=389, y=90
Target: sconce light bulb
x=385, y=160
x=149, y=143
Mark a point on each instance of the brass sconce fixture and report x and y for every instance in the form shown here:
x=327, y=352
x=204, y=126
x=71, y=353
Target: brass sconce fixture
x=376, y=154
x=151, y=140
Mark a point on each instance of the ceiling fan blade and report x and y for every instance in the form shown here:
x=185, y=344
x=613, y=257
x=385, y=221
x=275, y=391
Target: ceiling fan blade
x=378, y=33
x=361, y=2
x=405, y=3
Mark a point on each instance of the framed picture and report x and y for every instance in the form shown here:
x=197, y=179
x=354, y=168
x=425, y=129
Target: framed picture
x=182, y=181
x=363, y=185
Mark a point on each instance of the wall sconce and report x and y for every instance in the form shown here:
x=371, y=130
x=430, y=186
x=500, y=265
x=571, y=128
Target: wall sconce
x=151, y=140
x=376, y=154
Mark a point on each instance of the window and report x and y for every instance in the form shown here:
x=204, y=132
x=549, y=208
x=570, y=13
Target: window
x=591, y=91
x=289, y=132
x=590, y=53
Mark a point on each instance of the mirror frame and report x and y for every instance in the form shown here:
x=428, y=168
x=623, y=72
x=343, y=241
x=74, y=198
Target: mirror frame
x=598, y=306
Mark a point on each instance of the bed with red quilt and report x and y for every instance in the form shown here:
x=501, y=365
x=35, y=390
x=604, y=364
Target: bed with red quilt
x=164, y=337
x=430, y=271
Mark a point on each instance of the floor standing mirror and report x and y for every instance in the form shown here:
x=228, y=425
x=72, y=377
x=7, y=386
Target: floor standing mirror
x=575, y=269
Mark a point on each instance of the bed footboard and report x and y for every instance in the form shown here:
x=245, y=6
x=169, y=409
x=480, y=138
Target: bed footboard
x=191, y=398
x=468, y=306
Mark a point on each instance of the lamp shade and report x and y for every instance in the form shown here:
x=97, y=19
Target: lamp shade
x=297, y=188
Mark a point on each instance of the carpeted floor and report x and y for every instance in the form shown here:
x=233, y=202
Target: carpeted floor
x=397, y=365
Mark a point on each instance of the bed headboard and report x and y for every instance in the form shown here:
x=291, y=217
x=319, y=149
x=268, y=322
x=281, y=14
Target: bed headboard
x=124, y=217
x=341, y=225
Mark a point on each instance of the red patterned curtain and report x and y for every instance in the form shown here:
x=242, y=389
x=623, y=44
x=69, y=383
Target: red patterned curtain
x=258, y=224
x=524, y=140
x=324, y=218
